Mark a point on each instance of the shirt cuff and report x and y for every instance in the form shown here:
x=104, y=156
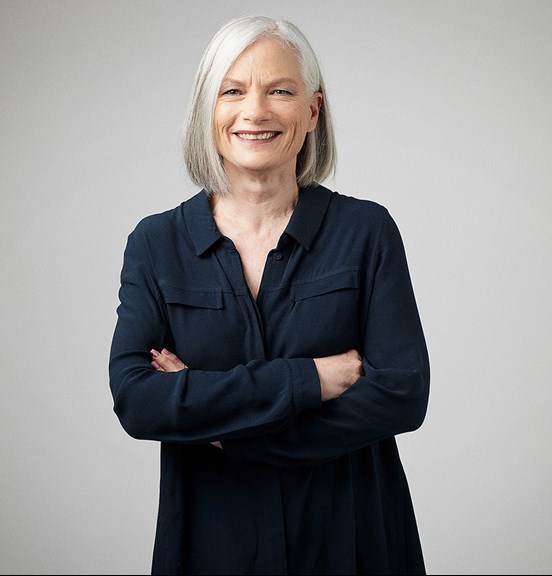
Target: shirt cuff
x=306, y=394
x=306, y=384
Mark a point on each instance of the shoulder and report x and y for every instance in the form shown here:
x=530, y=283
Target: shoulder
x=358, y=210
x=154, y=224
x=364, y=221
x=166, y=226
x=152, y=237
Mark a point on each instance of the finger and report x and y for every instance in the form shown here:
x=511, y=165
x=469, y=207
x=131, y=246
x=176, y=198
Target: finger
x=156, y=366
x=167, y=356
x=169, y=364
x=167, y=361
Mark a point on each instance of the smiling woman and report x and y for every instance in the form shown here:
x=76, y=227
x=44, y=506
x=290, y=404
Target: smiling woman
x=268, y=336
x=316, y=160
x=263, y=112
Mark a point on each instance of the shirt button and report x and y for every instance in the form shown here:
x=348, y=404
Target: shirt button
x=277, y=255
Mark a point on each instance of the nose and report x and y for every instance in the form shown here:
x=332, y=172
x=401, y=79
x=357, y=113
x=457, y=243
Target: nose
x=255, y=107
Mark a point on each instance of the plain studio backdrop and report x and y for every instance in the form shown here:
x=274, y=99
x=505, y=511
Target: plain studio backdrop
x=443, y=111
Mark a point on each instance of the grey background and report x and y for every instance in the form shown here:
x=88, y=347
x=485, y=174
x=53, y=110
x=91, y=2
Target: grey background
x=443, y=114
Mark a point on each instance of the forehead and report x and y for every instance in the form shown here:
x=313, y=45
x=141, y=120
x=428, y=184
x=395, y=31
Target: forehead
x=267, y=56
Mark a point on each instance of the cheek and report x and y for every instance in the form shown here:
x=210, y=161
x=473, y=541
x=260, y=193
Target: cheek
x=221, y=117
x=220, y=130
x=304, y=121
x=301, y=124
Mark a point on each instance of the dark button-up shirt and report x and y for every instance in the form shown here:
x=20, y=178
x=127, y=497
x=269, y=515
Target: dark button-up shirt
x=300, y=486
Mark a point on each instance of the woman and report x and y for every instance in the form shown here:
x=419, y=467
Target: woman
x=268, y=336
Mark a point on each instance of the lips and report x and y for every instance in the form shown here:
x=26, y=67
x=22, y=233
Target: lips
x=248, y=135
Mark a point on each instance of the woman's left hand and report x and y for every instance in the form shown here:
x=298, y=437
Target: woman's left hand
x=166, y=361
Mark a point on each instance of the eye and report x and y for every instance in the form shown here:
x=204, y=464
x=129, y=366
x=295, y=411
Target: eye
x=281, y=92
x=231, y=92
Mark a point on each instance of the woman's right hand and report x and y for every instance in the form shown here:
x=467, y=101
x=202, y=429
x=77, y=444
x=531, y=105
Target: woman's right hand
x=338, y=373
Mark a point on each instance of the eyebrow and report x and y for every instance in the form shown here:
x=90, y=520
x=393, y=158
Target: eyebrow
x=274, y=82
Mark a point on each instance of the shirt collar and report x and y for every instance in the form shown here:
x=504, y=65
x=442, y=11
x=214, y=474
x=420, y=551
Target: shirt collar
x=303, y=225
x=200, y=222
x=308, y=214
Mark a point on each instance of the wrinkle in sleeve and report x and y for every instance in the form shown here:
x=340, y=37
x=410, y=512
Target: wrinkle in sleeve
x=389, y=399
x=193, y=406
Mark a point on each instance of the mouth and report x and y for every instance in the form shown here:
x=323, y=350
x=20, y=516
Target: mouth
x=249, y=135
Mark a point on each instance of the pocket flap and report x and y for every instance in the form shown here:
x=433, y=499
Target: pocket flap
x=325, y=284
x=195, y=298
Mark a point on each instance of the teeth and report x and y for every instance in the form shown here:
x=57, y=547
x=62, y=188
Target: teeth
x=262, y=136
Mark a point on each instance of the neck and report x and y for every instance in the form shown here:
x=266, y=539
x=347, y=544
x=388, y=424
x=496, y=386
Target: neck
x=254, y=205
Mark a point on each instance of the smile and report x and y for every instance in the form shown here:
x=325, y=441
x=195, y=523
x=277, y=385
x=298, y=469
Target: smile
x=256, y=135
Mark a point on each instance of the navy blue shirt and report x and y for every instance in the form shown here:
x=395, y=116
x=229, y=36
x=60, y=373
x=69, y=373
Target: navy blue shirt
x=301, y=486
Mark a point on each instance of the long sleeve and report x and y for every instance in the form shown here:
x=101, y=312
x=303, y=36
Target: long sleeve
x=389, y=399
x=192, y=406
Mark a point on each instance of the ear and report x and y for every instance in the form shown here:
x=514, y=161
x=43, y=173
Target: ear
x=315, y=105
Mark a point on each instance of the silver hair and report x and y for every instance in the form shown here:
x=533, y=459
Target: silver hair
x=317, y=159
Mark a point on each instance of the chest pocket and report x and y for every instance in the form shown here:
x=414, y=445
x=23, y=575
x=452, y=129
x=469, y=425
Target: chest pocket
x=327, y=310
x=325, y=285
x=206, y=327
x=193, y=298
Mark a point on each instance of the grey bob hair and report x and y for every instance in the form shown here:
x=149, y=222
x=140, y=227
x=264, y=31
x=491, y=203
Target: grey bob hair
x=317, y=159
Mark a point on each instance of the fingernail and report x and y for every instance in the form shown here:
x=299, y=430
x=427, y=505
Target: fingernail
x=154, y=352
x=155, y=365
x=166, y=352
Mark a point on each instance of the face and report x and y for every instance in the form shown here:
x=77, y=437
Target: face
x=263, y=111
